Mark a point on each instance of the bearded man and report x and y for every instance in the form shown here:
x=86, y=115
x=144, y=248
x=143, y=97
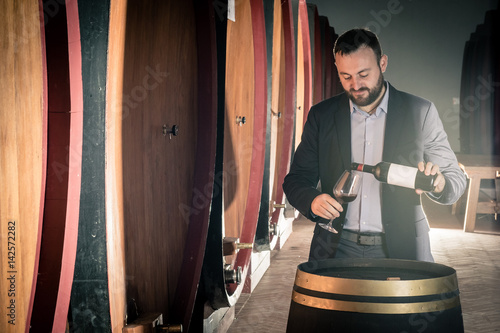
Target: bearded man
x=370, y=122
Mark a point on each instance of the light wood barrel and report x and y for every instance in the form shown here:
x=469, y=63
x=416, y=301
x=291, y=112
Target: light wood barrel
x=304, y=71
x=375, y=295
x=262, y=233
x=240, y=159
x=64, y=150
x=23, y=125
x=283, y=113
x=283, y=103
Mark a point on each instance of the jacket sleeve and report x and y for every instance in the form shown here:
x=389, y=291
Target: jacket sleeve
x=300, y=185
x=438, y=151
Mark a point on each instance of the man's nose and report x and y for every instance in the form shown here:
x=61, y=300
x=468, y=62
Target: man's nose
x=355, y=84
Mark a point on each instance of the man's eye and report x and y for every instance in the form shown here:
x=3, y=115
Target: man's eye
x=363, y=75
x=347, y=77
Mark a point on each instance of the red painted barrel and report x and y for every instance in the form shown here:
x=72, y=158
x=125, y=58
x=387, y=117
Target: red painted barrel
x=317, y=54
x=240, y=159
x=64, y=160
x=160, y=155
x=304, y=71
x=23, y=121
x=283, y=103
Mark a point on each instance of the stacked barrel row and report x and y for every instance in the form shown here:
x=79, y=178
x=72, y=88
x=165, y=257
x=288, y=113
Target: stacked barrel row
x=479, y=93
x=143, y=142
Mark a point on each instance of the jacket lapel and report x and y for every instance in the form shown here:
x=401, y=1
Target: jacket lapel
x=393, y=124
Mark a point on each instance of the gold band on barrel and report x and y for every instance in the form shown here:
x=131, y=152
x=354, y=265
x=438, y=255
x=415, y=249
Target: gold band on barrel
x=390, y=288
x=376, y=308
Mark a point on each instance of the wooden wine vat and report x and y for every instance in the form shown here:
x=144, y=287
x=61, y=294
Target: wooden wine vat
x=283, y=106
x=280, y=35
x=241, y=150
x=149, y=137
x=23, y=133
x=317, y=54
x=304, y=71
x=375, y=295
x=262, y=232
x=63, y=178
x=161, y=156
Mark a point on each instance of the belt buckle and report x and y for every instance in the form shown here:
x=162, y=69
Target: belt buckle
x=359, y=239
x=366, y=242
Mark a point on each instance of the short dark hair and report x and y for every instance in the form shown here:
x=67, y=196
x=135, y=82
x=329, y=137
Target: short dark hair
x=352, y=40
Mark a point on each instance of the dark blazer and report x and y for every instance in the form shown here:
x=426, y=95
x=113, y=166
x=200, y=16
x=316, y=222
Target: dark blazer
x=413, y=133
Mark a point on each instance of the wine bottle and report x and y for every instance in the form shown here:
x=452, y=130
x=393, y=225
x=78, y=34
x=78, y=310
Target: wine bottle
x=399, y=175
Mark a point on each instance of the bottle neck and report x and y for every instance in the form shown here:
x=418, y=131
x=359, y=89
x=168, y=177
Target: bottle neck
x=363, y=167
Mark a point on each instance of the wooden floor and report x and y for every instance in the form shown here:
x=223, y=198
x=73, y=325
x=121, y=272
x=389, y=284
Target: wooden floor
x=475, y=256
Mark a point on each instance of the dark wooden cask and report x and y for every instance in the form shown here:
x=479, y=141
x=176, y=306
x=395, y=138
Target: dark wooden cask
x=375, y=295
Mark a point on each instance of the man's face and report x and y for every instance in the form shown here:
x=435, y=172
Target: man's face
x=361, y=75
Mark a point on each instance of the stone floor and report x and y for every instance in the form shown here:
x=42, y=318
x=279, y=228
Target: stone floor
x=475, y=256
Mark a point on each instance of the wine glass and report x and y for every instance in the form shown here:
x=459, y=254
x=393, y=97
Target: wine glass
x=345, y=190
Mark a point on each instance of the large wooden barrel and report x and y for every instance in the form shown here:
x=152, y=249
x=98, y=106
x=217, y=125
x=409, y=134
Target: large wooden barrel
x=149, y=74
x=317, y=54
x=262, y=233
x=64, y=151
x=304, y=71
x=23, y=121
x=241, y=150
x=283, y=104
x=375, y=295
x=161, y=142
x=276, y=214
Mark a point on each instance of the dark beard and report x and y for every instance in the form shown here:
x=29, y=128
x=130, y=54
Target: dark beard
x=373, y=94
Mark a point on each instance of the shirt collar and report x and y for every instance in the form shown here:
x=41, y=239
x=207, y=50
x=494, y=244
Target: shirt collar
x=383, y=106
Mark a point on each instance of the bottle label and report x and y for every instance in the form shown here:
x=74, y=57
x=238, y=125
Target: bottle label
x=401, y=175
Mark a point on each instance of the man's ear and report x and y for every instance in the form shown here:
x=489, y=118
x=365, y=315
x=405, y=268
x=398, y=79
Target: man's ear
x=383, y=62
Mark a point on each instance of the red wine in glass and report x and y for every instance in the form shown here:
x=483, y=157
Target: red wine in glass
x=345, y=191
x=348, y=197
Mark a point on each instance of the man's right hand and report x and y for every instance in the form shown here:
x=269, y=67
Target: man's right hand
x=326, y=207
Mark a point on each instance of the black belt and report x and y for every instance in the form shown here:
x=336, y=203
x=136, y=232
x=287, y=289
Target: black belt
x=363, y=238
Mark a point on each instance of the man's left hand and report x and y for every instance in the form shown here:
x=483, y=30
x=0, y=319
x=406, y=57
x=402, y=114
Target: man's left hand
x=432, y=169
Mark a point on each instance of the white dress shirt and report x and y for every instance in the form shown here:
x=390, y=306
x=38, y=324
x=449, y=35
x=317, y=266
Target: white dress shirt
x=367, y=143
